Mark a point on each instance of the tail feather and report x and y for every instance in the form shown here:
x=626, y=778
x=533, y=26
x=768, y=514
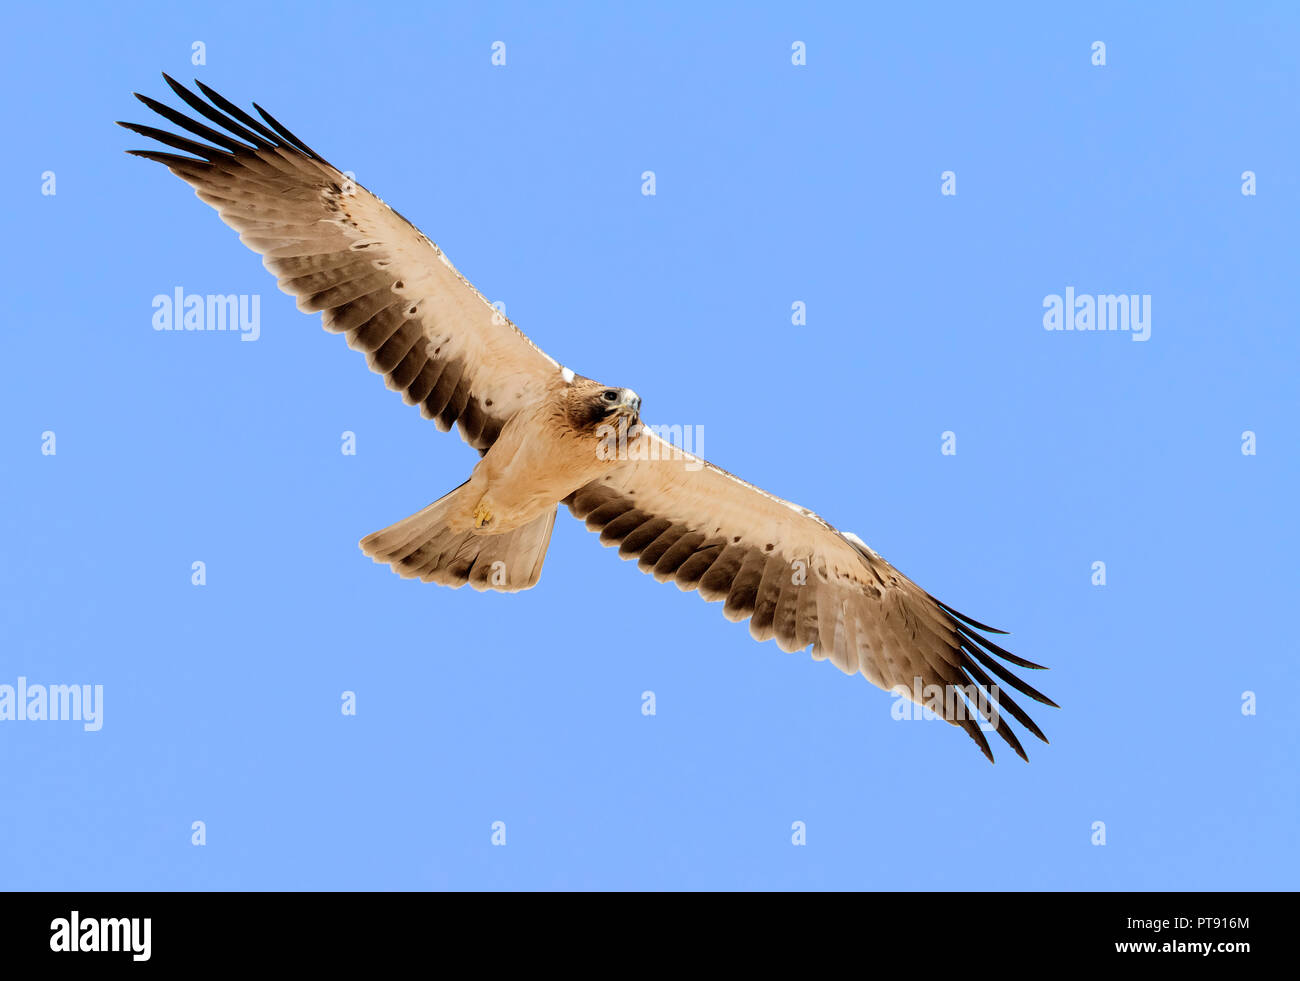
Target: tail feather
x=423, y=546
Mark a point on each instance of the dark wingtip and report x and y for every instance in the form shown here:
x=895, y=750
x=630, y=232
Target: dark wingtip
x=972, y=673
x=1033, y=727
x=1001, y=652
x=1015, y=744
x=973, y=730
x=978, y=653
x=166, y=159
x=965, y=619
x=1009, y=737
x=263, y=134
x=284, y=132
x=174, y=85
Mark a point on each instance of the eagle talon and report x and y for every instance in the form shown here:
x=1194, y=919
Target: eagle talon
x=482, y=515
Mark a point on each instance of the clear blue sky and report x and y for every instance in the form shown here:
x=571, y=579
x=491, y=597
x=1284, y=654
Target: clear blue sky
x=775, y=184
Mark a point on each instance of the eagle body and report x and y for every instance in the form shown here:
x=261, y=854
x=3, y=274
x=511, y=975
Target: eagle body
x=544, y=453
x=545, y=436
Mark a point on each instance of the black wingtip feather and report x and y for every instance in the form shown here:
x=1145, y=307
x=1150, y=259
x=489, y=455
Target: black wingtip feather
x=167, y=159
x=989, y=707
x=284, y=132
x=193, y=125
x=172, y=140
x=234, y=121
x=993, y=648
x=965, y=619
x=224, y=104
x=198, y=105
x=974, y=731
x=1003, y=700
x=1006, y=675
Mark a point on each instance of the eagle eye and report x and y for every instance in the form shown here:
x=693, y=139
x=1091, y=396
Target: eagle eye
x=610, y=395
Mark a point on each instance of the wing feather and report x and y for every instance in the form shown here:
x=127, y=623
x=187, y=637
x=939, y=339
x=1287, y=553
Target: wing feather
x=803, y=583
x=343, y=253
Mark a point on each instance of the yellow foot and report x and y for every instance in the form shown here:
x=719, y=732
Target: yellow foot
x=482, y=515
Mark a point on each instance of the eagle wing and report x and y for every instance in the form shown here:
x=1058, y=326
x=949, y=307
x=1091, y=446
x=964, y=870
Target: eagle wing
x=342, y=252
x=376, y=279
x=801, y=582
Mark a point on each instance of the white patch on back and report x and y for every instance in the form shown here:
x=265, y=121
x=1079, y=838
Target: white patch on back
x=567, y=375
x=855, y=540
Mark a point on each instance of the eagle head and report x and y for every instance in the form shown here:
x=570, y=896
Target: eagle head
x=591, y=405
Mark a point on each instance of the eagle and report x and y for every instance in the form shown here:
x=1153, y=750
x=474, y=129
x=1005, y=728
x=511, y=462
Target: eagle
x=548, y=436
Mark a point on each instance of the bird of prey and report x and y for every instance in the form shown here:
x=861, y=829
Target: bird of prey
x=545, y=435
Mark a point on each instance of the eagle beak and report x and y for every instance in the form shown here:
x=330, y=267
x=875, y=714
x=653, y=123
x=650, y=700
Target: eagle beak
x=630, y=404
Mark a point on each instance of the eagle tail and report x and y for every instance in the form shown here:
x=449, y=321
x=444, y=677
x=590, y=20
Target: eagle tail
x=425, y=547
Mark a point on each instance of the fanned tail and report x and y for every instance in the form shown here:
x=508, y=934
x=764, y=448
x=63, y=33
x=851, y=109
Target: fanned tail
x=425, y=547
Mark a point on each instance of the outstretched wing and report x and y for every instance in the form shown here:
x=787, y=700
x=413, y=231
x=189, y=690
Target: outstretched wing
x=800, y=581
x=370, y=272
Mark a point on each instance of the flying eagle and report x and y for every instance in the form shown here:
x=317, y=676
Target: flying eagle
x=545, y=436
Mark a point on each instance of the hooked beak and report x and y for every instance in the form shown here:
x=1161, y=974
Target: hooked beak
x=629, y=405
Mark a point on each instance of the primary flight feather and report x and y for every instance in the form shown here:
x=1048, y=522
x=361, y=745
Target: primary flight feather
x=549, y=436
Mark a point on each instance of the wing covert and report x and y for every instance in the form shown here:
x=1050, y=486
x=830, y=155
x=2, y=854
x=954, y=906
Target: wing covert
x=801, y=582
x=342, y=252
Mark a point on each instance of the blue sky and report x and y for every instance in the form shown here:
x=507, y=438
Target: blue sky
x=775, y=183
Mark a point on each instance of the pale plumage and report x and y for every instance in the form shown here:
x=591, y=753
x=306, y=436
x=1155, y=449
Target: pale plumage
x=376, y=279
